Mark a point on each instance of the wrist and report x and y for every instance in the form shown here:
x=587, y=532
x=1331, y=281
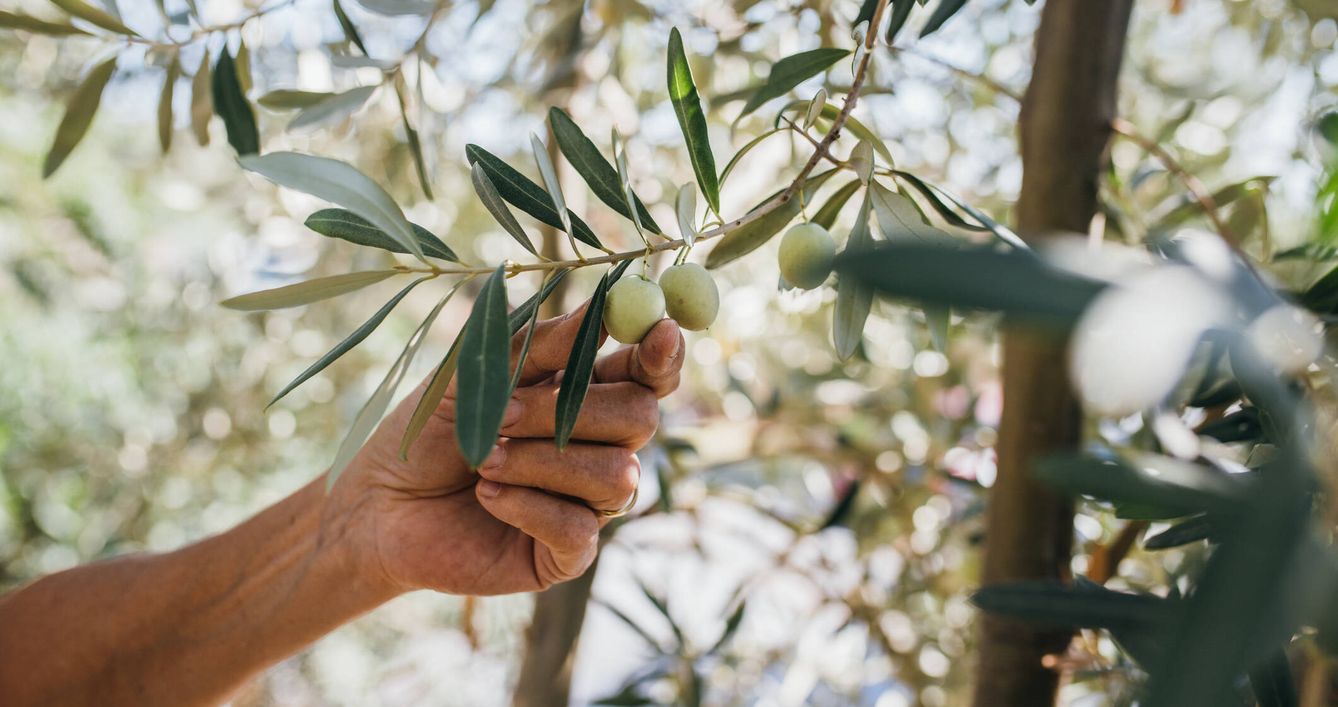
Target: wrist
x=345, y=539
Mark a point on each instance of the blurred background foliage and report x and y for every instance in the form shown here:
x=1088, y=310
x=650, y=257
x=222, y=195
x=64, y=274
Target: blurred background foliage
x=837, y=503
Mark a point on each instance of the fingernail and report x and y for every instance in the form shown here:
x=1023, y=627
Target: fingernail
x=495, y=458
x=489, y=489
x=512, y=413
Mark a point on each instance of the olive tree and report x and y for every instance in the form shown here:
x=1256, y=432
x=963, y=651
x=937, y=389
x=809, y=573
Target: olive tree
x=1238, y=357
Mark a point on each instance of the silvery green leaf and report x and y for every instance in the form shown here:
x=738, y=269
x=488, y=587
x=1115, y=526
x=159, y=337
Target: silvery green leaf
x=815, y=108
x=549, y=174
x=12, y=20
x=306, y=292
x=692, y=120
x=375, y=408
x=861, y=160
x=201, y=100
x=398, y=7
x=79, y=114
x=620, y=157
x=492, y=201
x=686, y=204
x=340, y=183
x=899, y=218
x=288, y=99
x=333, y=108
x=854, y=298
x=94, y=15
x=350, y=61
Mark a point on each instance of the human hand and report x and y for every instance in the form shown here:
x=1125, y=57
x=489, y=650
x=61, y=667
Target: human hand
x=526, y=520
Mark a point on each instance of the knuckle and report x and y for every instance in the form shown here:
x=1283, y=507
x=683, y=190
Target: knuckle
x=581, y=532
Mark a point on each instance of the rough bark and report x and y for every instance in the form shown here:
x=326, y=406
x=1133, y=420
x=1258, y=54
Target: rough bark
x=1065, y=127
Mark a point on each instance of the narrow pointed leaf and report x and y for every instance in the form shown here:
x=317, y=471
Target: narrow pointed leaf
x=165, y=103
x=12, y=20
x=549, y=174
x=686, y=206
x=752, y=235
x=369, y=416
x=625, y=184
x=333, y=109
x=287, y=99
x=231, y=105
x=792, y=71
x=525, y=311
x=202, y=100
x=340, y=183
x=301, y=293
x=485, y=381
x=585, y=157
x=411, y=137
x=748, y=147
x=527, y=196
x=1178, y=488
x=492, y=201
x=900, y=10
x=343, y=347
x=854, y=297
x=866, y=10
x=815, y=108
x=692, y=120
x=581, y=362
x=529, y=332
x=432, y=395
x=79, y=114
x=826, y=216
x=242, y=65
x=1182, y=533
x=1082, y=606
x=944, y=12
x=348, y=226
x=94, y=15
x=932, y=195
x=350, y=30
x=1015, y=282
x=900, y=219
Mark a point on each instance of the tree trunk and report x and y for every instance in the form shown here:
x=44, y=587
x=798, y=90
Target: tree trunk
x=550, y=643
x=1065, y=127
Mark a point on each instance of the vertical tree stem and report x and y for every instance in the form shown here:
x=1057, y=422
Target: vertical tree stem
x=1065, y=126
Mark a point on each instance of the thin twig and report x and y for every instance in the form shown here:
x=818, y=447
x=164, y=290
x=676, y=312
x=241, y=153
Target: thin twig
x=822, y=150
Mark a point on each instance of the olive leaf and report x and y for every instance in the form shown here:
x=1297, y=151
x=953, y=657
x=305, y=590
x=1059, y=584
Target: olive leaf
x=585, y=157
x=394, y=8
x=79, y=114
x=441, y=376
x=527, y=196
x=944, y=12
x=242, y=64
x=815, y=108
x=12, y=20
x=901, y=9
x=581, y=362
x=492, y=201
x=348, y=226
x=375, y=408
x=826, y=215
x=900, y=218
x=734, y=161
x=165, y=102
x=343, y=347
x=686, y=207
x=94, y=16
x=854, y=298
x=411, y=137
x=201, y=100
x=752, y=235
x=288, y=99
x=549, y=175
x=333, y=108
x=792, y=71
x=231, y=105
x=340, y=183
x=306, y=292
x=485, y=385
x=931, y=194
x=692, y=120
x=624, y=182
x=350, y=31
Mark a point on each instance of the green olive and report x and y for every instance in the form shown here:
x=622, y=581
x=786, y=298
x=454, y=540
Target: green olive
x=633, y=306
x=806, y=254
x=690, y=296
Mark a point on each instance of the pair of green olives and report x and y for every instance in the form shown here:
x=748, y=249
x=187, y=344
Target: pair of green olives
x=636, y=304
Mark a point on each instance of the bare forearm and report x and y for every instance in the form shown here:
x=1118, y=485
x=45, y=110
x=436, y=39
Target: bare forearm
x=187, y=627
